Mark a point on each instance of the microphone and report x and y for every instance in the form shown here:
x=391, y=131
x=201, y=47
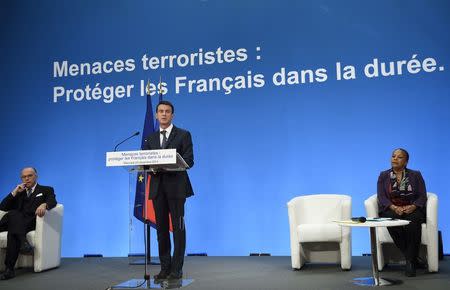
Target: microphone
x=359, y=219
x=135, y=134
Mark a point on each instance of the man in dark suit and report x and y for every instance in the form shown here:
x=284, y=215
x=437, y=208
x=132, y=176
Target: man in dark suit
x=23, y=204
x=169, y=190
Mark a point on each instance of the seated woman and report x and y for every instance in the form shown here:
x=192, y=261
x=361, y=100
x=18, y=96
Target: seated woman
x=402, y=195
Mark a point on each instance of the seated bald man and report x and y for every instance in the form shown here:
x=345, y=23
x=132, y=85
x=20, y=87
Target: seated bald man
x=28, y=200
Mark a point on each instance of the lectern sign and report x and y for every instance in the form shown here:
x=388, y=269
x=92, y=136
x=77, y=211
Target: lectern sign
x=141, y=157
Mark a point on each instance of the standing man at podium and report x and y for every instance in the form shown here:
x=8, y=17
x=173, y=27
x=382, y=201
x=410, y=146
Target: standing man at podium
x=169, y=190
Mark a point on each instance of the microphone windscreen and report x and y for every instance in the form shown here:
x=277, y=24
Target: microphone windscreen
x=137, y=133
x=360, y=219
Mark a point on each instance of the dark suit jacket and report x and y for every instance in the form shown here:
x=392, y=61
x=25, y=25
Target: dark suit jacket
x=175, y=184
x=415, y=180
x=42, y=194
x=28, y=205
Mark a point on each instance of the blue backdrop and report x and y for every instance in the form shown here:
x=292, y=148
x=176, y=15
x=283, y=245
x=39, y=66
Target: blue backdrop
x=255, y=148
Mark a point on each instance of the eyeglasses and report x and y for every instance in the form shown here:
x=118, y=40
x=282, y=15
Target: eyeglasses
x=27, y=176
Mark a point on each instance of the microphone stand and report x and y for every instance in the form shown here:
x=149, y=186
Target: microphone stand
x=135, y=134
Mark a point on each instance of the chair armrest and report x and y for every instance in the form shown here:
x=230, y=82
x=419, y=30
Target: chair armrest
x=371, y=205
x=293, y=238
x=50, y=224
x=432, y=232
x=432, y=210
x=346, y=213
x=432, y=219
x=293, y=223
x=48, y=238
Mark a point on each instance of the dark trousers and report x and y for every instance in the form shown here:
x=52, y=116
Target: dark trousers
x=163, y=206
x=407, y=238
x=17, y=224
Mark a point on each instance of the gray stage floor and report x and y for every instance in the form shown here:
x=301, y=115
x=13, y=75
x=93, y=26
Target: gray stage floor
x=222, y=273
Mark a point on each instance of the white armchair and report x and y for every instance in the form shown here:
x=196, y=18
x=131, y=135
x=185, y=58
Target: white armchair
x=388, y=252
x=45, y=239
x=314, y=236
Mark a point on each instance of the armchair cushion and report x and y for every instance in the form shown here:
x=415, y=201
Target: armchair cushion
x=319, y=233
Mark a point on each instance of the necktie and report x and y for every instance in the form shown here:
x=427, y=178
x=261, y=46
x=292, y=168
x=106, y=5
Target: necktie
x=164, y=141
x=29, y=192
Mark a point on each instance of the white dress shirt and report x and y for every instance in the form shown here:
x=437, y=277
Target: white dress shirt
x=168, y=130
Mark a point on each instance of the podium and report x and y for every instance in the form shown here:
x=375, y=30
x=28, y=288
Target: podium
x=139, y=251
x=139, y=165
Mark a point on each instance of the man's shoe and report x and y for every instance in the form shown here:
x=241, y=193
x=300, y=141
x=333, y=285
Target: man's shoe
x=410, y=270
x=420, y=264
x=175, y=275
x=8, y=274
x=26, y=248
x=161, y=276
